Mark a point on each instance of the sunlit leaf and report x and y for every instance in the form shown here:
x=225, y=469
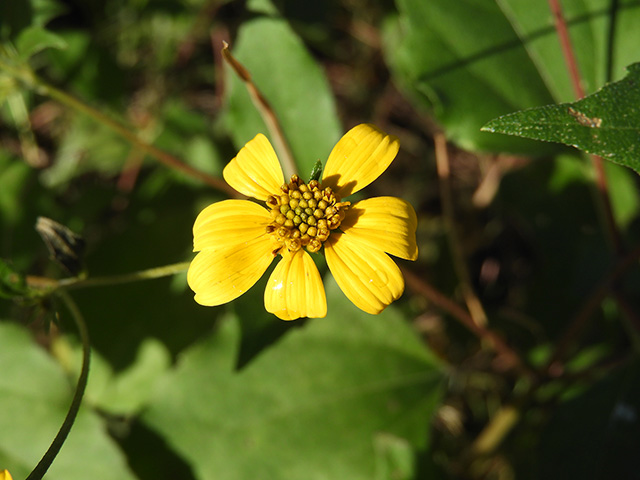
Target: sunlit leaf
x=123, y=392
x=606, y=123
x=325, y=391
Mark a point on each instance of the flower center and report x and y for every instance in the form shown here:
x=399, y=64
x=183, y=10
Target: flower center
x=304, y=215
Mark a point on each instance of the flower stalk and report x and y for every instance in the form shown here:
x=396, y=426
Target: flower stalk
x=49, y=286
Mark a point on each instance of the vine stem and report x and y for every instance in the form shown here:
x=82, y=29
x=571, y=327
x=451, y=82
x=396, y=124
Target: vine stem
x=50, y=455
x=597, y=162
x=51, y=285
x=265, y=110
x=29, y=78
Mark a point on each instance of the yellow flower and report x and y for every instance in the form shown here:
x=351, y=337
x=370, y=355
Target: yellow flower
x=5, y=475
x=238, y=239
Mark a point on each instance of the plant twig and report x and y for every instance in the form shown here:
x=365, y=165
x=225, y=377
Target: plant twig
x=493, y=340
x=43, y=465
x=266, y=112
x=471, y=299
x=30, y=79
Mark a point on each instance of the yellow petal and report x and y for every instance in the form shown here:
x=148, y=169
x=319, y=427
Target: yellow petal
x=5, y=475
x=255, y=171
x=295, y=288
x=220, y=275
x=361, y=155
x=383, y=223
x=368, y=277
x=228, y=223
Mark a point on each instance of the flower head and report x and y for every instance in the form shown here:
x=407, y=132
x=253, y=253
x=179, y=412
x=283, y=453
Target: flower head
x=5, y=475
x=236, y=240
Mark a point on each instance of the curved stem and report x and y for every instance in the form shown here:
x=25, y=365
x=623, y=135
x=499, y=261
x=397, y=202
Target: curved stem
x=48, y=458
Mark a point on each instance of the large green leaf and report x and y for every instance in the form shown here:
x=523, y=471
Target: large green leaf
x=474, y=60
x=125, y=392
x=606, y=123
x=293, y=83
x=321, y=403
x=595, y=435
x=34, y=397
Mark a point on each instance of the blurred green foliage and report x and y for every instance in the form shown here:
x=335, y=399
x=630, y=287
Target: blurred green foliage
x=177, y=390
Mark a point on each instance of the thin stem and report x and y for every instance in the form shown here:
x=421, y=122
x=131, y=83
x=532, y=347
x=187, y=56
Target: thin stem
x=41, y=87
x=51, y=285
x=567, y=48
x=474, y=305
x=266, y=112
x=493, y=340
x=597, y=162
x=48, y=458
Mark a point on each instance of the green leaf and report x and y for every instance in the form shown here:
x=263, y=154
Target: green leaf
x=595, y=435
x=473, y=60
x=317, y=404
x=606, y=123
x=292, y=82
x=463, y=61
x=125, y=392
x=35, y=39
x=34, y=397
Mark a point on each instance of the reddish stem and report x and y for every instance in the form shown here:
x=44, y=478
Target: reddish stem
x=576, y=80
x=509, y=357
x=567, y=49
